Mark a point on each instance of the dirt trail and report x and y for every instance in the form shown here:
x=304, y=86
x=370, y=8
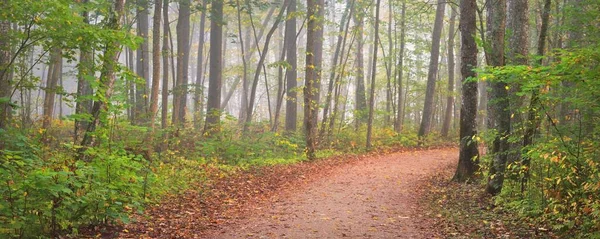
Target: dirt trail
x=377, y=197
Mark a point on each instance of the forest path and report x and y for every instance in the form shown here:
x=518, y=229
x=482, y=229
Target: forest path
x=375, y=197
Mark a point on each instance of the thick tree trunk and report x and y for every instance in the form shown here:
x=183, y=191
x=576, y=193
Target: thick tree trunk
x=400, y=71
x=450, y=97
x=314, y=51
x=183, y=45
x=468, y=159
x=213, y=111
x=373, y=76
x=433, y=71
x=291, y=72
x=498, y=107
x=142, y=64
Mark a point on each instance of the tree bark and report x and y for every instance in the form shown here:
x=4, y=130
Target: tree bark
x=155, y=61
x=291, y=72
x=373, y=76
x=498, y=107
x=433, y=71
x=314, y=50
x=142, y=64
x=450, y=97
x=183, y=46
x=468, y=159
x=213, y=111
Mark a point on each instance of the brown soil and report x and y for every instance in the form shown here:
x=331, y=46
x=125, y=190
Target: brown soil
x=377, y=197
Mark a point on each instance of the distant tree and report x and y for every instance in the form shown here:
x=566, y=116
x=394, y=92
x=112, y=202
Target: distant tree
x=165, y=59
x=468, y=159
x=373, y=76
x=400, y=71
x=142, y=64
x=360, y=102
x=451, y=65
x=155, y=60
x=54, y=72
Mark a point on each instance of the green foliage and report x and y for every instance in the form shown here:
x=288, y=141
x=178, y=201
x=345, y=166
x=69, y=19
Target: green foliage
x=561, y=184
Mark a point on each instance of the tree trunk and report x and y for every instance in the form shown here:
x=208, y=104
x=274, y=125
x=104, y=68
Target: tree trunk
x=213, y=111
x=433, y=71
x=498, y=107
x=260, y=64
x=373, y=76
x=165, y=58
x=360, y=100
x=199, y=86
x=280, y=86
x=314, y=50
x=533, y=119
x=84, y=90
x=142, y=64
x=450, y=97
x=468, y=159
x=155, y=60
x=183, y=46
x=55, y=65
x=400, y=71
x=334, y=63
x=291, y=72
x=5, y=84
x=107, y=76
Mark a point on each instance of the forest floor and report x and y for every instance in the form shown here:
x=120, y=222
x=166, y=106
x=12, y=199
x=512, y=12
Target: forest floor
x=403, y=194
x=369, y=196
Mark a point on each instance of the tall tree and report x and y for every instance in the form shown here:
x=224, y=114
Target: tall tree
x=468, y=159
x=261, y=61
x=213, y=111
x=373, y=76
x=155, y=61
x=84, y=90
x=183, y=46
x=54, y=73
x=498, y=110
x=314, y=53
x=450, y=97
x=433, y=70
x=360, y=98
x=400, y=70
x=142, y=64
x=199, y=86
x=5, y=84
x=165, y=58
x=291, y=71
x=108, y=74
